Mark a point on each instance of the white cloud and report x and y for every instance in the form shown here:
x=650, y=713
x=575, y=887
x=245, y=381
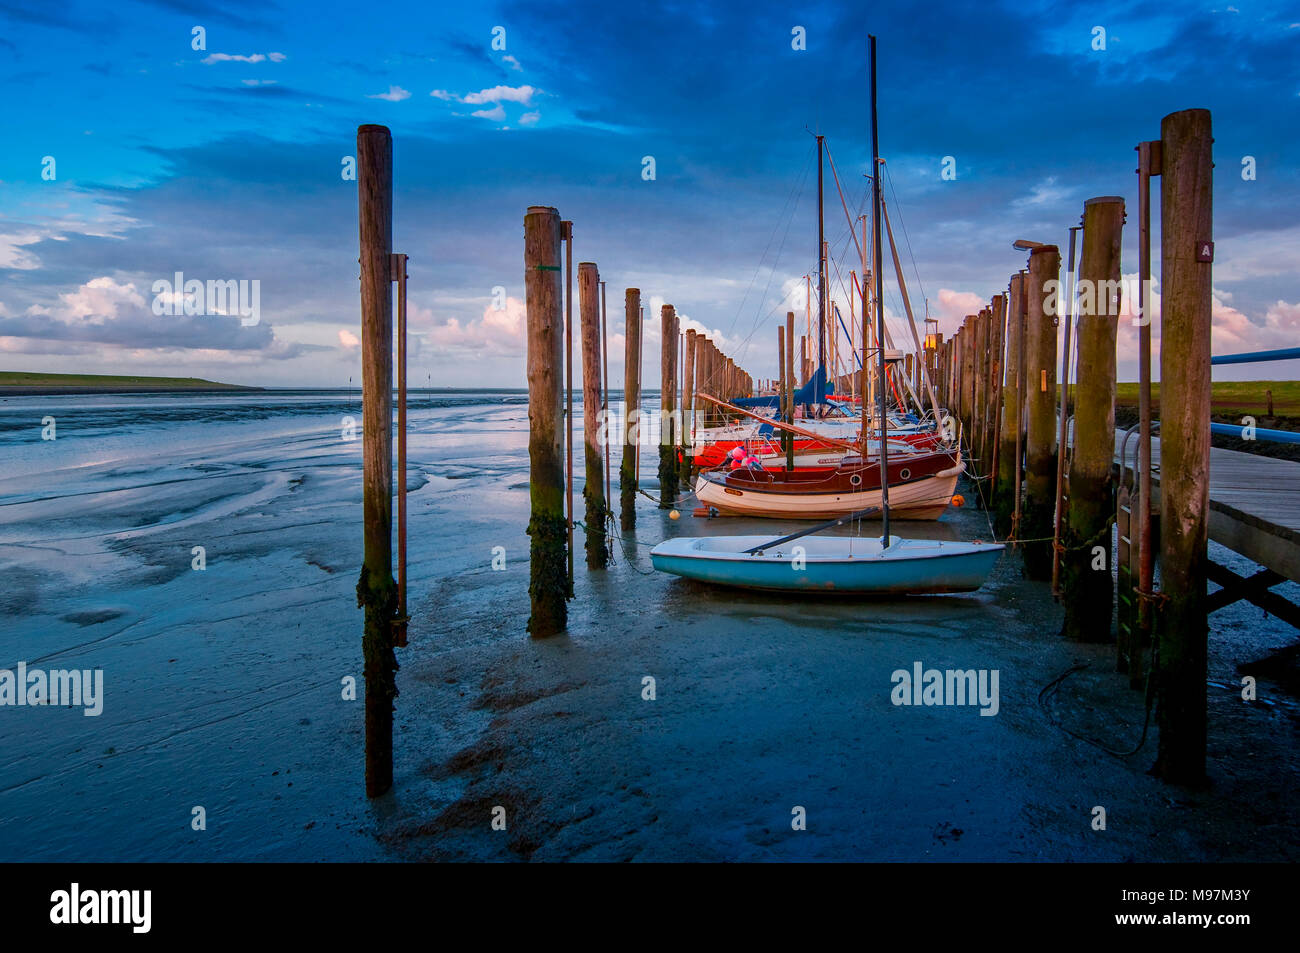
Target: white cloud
x=259, y=82
x=527, y=119
x=12, y=254
x=395, y=94
x=500, y=94
x=240, y=58
x=497, y=112
x=513, y=63
x=348, y=339
x=100, y=297
x=442, y=94
x=496, y=333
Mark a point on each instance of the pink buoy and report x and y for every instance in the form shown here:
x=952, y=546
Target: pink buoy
x=737, y=453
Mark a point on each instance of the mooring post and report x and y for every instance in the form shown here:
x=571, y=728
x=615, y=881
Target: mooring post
x=997, y=370
x=1040, y=400
x=376, y=590
x=667, y=435
x=627, y=475
x=548, y=528
x=593, y=491
x=566, y=235
x=1132, y=649
x=980, y=409
x=1009, y=463
x=688, y=405
x=789, y=388
x=780, y=366
x=398, y=271
x=1087, y=592
x=1186, y=254
x=604, y=397
x=1063, y=418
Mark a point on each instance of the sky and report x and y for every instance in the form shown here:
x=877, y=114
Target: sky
x=150, y=137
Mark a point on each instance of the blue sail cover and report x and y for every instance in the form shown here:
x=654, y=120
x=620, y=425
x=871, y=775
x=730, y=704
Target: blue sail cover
x=813, y=392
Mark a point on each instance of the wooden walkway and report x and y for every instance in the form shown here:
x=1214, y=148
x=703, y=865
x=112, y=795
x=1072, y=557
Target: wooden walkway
x=1254, y=504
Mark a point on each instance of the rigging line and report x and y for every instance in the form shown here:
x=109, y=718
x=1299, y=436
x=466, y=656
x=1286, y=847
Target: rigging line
x=843, y=203
x=744, y=344
x=799, y=184
x=903, y=228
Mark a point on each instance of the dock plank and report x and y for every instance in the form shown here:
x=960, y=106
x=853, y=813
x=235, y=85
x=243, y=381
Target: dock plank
x=1254, y=504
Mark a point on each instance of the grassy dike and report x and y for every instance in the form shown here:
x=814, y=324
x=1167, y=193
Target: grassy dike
x=25, y=382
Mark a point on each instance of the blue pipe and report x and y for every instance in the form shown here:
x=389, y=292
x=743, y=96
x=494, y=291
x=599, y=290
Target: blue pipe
x=1281, y=354
x=1232, y=430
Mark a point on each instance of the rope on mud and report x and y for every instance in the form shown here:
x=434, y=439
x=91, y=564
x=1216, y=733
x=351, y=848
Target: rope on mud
x=1051, y=688
x=622, y=548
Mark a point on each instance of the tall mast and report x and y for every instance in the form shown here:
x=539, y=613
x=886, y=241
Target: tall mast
x=821, y=261
x=880, y=311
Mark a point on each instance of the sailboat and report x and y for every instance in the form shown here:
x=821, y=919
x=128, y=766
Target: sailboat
x=889, y=565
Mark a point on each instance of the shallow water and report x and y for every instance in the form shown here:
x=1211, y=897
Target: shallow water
x=223, y=686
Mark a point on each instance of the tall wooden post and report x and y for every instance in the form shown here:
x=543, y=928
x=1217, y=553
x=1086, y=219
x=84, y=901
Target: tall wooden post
x=1040, y=402
x=593, y=492
x=997, y=368
x=790, y=387
x=1087, y=592
x=979, y=406
x=1186, y=250
x=376, y=590
x=667, y=434
x=1009, y=462
x=627, y=475
x=548, y=586
x=688, y=404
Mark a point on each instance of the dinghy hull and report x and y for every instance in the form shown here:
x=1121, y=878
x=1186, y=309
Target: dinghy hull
x=918, y=490
x=830, y=564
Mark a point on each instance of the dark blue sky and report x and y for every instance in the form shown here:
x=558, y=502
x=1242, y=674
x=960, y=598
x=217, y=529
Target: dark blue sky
x=224, y=163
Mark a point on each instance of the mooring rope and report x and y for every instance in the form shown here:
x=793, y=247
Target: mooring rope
x=1052, y=687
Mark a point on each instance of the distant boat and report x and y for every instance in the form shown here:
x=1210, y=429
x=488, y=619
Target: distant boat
x=844, y=564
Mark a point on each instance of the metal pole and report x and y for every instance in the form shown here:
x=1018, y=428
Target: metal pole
x=566, y=235
x=1061, y=441
x=604, y=392
x=1148, y=165
x=399, y=271
x=880, y=311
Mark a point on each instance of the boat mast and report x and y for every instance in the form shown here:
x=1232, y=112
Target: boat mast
x=821, y=265
x=880, y=311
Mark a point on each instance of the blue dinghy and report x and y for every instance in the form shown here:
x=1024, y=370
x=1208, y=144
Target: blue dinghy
x=829, y=563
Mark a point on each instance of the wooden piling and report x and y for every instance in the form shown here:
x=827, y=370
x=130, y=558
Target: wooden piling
x=667, y=433
x=548, y=529
x=376, y=589
x=790, y=388
x=1186, y=236
x=593, y=492
x=979, y=395
x=1009, y=462
x=1040, y=405
x=997, y=369
x=688, y=405
x=1087, y=593
x=627, y=475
